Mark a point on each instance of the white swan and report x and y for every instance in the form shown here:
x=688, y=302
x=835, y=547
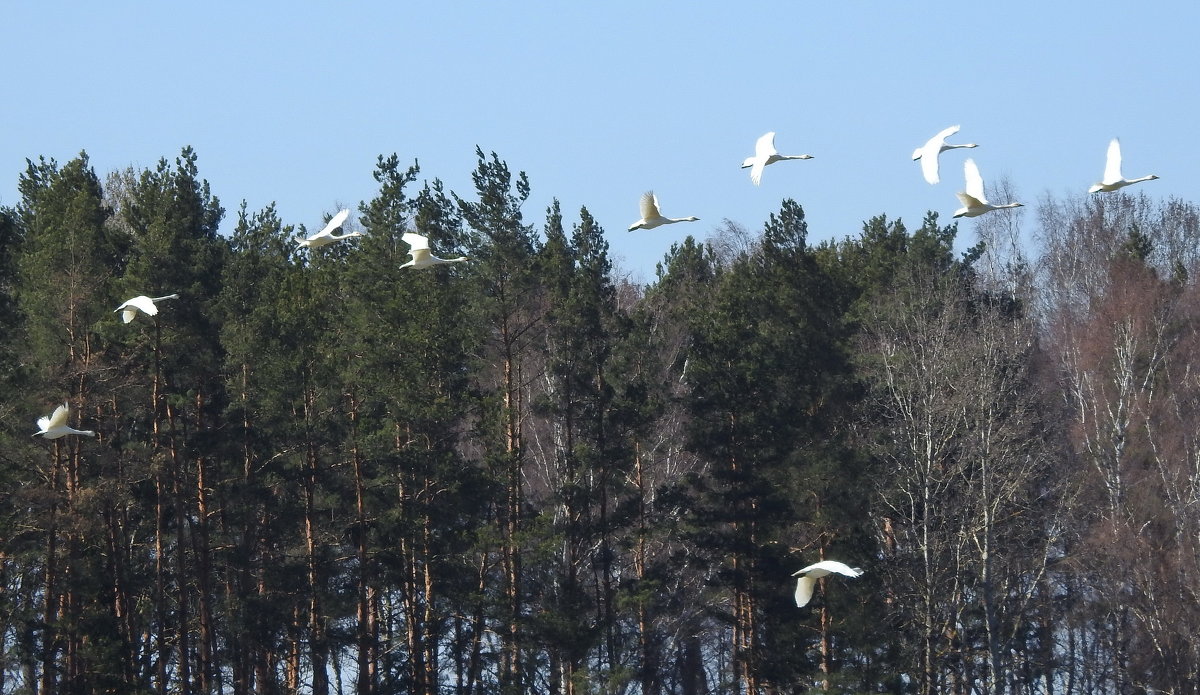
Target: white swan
x=141, y=303
x=326, y=236
x=55, y=425
x=651, y=217
x=974, y=204
x=1112, y=172
x=764, y=154
x=809, y=576
x=928, y=153
x=421, y=257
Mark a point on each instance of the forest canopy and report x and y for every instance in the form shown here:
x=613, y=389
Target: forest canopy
x=314, y=471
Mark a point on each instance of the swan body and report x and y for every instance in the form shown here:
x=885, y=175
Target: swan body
x=421, y=256
x=326, y=236
x=974, y=204
x=809, y=575
x=928, y=153
x=55, y=425
x=764, y=154
x=141, y=303
x=651, y=217
x=1113, y=180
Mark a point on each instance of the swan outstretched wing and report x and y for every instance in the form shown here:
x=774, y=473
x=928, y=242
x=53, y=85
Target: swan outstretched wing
x=968, y=201
x=418, y=247
x=765, y=146
x=929, y=165
x=130, y=308
x=941, y=137
x=416, y=242
x=764, y=149
x=756, y=171
x=334, y=222
x=649, y=206
x=824, y=567
x=928, y=154
x=57, y=419
x=804, y=590
x=1112, y=163
x=974, y=181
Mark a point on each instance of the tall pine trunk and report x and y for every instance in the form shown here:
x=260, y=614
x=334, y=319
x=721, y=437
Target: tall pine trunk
x=318, y=644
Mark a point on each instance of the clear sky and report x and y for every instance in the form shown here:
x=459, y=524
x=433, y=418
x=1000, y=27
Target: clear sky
x=597, y=102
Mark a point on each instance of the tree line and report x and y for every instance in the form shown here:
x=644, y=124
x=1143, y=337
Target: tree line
x=317, y=473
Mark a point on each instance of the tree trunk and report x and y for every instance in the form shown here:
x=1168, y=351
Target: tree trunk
x=511, y=676
x=206, y=666
x=367, y=629
x=648, y=673
x=318, y=654
x=50, y=637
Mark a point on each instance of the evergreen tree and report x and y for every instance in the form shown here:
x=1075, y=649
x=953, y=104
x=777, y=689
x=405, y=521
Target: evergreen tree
x=10, y=478
x=260, y=507
x=588, y=448
x=408, y=398
x=508, y=309
x=173, y=219
x=65, y=265
x=670, y=565
x=765, y=372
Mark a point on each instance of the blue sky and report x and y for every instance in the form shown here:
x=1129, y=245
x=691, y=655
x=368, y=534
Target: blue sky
x=599, y=101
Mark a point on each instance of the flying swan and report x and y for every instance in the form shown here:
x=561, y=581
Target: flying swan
x=421, y=257
x=809, y=575
x=141, y=303
x=651, y=217
x=1112, y=172
x=928, y=153
x=974, y=204
x=55, y=425
x=764, y=154
x=326, y=236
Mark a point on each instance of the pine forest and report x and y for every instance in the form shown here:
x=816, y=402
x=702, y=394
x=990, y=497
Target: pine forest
x=317, y=471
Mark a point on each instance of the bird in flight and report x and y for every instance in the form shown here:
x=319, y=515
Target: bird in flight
x=764, y=154
x=651, y=217
x=55, y=425
x=974, y=203
x=928, y=153
x=326, y=236
x=418, y=248
x=142, y=303
x=1113, y=180
x=809, y=575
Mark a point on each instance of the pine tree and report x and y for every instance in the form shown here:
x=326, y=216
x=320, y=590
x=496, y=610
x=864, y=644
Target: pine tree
x=260, y=508
x=64, y=268
x=508, y=308
x=173, y=219
x=408, y=398
x=10, y=476
x=669, y=566
x=766, y=368
x=588, y=452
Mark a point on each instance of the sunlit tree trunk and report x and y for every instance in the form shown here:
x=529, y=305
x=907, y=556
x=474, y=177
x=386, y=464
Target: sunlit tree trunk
x=318, y=647
x=367, y=627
